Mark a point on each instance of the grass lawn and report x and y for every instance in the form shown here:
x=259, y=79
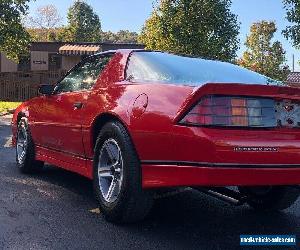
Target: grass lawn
x=5, y=106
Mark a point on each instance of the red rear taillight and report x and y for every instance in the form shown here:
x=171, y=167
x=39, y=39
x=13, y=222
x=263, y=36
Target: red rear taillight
x=232, y=111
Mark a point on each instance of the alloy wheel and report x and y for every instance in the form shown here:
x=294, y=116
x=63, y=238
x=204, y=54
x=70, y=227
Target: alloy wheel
x=110, y=170
x=22, y=142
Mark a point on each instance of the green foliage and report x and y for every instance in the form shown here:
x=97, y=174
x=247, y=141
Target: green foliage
x=292, y=31
x=122, y=36
x=83, y=24
x=263, y=55
x=205, y=28
x=6, y=106
x=14, y=39
x=46, y=35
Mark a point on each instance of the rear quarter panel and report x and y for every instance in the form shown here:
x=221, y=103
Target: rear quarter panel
x=151, y=132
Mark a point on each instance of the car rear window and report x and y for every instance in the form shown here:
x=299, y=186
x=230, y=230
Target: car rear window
x=174, y=69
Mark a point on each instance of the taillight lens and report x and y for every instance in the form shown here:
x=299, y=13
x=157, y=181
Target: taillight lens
x=232, y=111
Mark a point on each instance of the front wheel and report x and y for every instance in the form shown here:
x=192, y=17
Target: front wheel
x=117, y=177
x=270, y=197
x=25, y=154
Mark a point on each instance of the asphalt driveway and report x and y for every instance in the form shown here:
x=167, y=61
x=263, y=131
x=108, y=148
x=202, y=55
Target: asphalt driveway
x=56, y=210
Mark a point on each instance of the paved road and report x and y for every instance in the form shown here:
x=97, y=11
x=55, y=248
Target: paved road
x=52, y=210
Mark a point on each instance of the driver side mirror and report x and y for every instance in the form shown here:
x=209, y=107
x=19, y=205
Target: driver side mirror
x=46, y=89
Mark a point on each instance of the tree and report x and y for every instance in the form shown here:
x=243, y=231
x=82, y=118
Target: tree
x=292, y=31
x=83, y=24
x=263, y=55
x=44, y=23
x=44, y=35
x=14, y=40
x=46, y=17
x=204, y=28
x=122, y=36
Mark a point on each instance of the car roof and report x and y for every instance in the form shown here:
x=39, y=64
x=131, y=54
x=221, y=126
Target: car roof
x=123, y=51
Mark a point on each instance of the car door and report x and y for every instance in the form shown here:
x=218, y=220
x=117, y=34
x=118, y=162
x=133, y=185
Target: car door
x=59, y=117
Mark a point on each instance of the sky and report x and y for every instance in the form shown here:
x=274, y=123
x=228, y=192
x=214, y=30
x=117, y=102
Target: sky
x=131, y=15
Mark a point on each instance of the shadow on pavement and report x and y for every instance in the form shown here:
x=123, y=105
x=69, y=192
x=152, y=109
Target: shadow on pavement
x=189, y=219
x=65, y=179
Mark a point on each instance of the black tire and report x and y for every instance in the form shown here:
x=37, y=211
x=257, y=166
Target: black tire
x=274, y=198
x=28, y=164
x=132, y=204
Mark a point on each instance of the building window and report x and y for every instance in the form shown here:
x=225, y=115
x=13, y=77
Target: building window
x=24, y=64
x=54, y=61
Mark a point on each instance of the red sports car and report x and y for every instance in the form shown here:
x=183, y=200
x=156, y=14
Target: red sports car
x=138, y=122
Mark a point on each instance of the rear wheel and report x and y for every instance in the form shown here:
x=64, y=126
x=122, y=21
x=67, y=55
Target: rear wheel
x=270, y=197
x=25, y=155
x=117, y=177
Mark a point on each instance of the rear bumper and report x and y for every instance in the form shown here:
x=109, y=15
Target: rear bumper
x=165, y=175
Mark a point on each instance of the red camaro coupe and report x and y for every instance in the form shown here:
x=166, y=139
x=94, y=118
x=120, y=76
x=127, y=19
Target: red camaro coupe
x=137, y=122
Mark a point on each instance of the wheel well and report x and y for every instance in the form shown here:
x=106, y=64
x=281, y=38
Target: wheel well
x=100, y=121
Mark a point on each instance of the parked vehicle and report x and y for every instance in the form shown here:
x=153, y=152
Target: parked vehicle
x=137, y=121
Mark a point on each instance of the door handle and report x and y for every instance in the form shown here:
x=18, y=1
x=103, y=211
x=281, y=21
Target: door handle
x=78, y=105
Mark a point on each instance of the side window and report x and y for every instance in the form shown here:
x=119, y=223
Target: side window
x=84, y=75
x=93, y=68
x=139, y=69
x=135, y=70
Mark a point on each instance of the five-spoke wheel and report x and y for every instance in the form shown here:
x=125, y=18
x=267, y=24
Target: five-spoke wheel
x=25, y=150
x=110, y=170
x=117, y=176
x=21, y=144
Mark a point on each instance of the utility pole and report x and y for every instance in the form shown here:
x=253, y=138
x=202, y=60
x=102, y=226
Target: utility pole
x=293, y=63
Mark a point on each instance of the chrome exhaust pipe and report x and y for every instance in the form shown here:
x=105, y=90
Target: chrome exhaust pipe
x=230, y=196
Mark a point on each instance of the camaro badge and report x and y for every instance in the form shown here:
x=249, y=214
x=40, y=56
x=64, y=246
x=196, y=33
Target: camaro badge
x=255, y=149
